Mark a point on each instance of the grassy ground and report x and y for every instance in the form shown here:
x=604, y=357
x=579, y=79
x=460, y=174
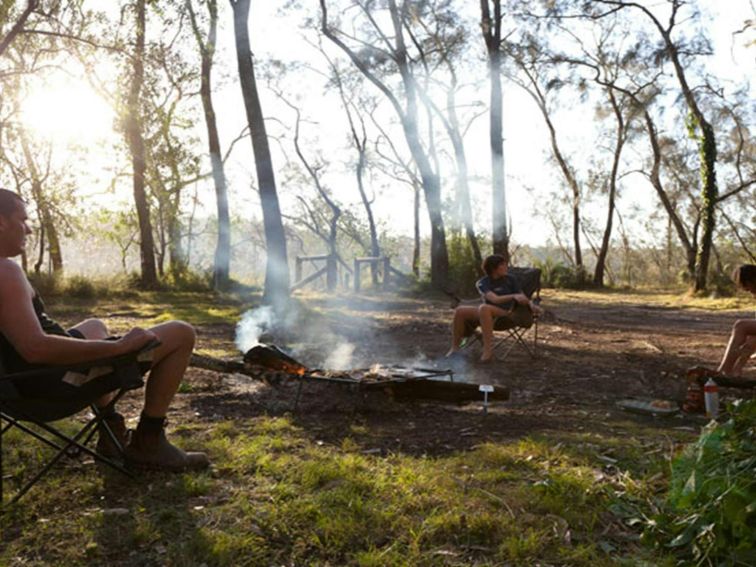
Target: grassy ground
x=282, y=493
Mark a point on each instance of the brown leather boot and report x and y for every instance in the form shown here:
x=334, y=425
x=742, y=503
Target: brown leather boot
x=152, y=451
x=105, y=445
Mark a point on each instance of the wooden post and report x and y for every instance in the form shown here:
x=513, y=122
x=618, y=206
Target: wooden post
x=331, y=273
x=386, y=270
x=298, y=270
x=356, y=275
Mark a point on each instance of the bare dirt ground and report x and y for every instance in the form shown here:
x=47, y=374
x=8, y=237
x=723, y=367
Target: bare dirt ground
x=590, y=355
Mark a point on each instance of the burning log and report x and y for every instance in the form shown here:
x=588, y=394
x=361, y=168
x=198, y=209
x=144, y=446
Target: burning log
x=270, y=356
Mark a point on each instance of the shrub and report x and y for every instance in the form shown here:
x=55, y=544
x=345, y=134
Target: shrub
x=722, y=284
x=558, y=275
x=190, y=280
x=711, y=506
x=81, y=287
x=464, y=270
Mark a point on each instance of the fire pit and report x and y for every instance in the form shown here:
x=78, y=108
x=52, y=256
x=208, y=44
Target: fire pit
x=273, y=366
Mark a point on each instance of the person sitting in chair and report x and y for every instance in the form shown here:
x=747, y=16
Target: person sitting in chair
x=502, y=297
x=28, y=337
x=742, y=343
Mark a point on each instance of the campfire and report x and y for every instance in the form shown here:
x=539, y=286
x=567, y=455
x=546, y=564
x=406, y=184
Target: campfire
x=272, y=365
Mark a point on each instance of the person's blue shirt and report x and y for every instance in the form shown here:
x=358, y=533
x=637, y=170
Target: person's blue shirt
x=508, y=285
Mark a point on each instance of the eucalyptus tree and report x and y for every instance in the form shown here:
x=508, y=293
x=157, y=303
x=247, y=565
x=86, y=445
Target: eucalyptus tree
x=315, y=166
x=355, y=108
x=10, y=14
x=379, y=57
x=207, y=45
x=607, y=62
x=277, y=269
x=535, y=71
x=442, y=51
x=133, y=130
x=676, y=52
x=490, y=26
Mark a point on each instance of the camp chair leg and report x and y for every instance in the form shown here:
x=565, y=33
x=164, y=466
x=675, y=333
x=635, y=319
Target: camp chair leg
x=72, y=445
x=71, y=442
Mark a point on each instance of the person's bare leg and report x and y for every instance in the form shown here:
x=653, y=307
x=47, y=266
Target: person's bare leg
x=741, y=331
x=148, y=446
x=487, y=314
x=169, y=363
x=462, y=315
x=744, y=355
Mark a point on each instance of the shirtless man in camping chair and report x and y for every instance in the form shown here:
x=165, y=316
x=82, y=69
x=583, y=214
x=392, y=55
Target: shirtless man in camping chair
x=742, y=343
x=502, y=297
x=29, y=337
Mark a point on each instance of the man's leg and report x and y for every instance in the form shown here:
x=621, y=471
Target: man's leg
x=148, y=447
x=487, y=313
x=741, y=331
x=462, y=315
x=744, y=355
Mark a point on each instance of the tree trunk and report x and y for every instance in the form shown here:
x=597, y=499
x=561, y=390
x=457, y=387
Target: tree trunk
x=431, y=181
x=277, y=267
x=540, y=99
x=598, y=275
x=705, y=138
x=682, y=234
x=18, y=25
x=47, y=228
x=222, y=262
x=491, y=29
x=135, y=140
x=463, y=186
x=409, y=121
x=416, y=234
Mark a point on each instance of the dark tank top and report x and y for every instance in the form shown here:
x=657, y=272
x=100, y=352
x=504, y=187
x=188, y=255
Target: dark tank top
x=11, y=360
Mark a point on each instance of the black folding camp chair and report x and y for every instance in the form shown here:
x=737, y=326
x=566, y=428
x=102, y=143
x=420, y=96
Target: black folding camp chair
x=508, y=334
x=63, y=391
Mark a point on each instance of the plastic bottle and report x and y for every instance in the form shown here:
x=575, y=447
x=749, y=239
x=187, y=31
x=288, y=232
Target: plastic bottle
x=711, y=398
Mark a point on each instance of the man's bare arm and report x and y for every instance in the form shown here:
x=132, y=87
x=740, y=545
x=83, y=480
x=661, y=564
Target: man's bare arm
x=19, y=324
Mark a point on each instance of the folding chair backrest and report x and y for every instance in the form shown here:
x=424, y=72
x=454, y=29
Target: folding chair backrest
x=529, y=279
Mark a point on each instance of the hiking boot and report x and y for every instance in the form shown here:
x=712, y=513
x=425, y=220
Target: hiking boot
x=155, y=452
x=105, y=444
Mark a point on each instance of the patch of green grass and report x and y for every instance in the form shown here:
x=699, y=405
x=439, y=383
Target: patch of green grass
x=277, y=496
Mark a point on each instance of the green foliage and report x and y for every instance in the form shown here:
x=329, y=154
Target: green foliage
x=560, y=276
x=186, y=279
x=722, y=284
x=711, y=506
x=464, y=270
x=81, y=287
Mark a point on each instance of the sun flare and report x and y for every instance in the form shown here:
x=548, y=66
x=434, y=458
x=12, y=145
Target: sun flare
x=68, y=113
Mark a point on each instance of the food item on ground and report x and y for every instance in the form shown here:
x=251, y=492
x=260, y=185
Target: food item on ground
x=663, y=404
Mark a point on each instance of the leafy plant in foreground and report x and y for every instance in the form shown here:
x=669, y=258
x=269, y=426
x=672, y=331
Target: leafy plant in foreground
x=710, y=515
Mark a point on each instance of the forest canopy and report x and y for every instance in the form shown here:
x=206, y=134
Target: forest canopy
x=609, y=139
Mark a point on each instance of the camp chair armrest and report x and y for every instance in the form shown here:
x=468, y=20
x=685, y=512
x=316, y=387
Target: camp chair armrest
x=119, y=360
